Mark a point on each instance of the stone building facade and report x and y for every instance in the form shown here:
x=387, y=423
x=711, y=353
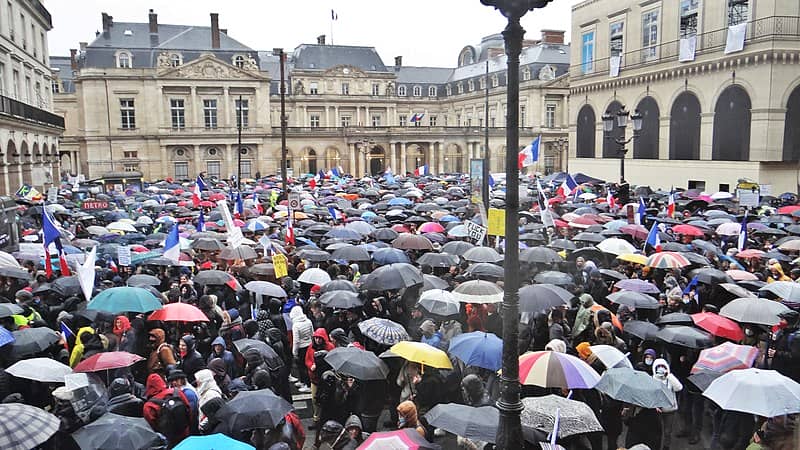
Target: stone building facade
x=163, y=100
x=713, y=113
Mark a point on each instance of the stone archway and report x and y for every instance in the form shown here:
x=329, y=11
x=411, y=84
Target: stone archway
x=308, y=161
x=376, y=160
x=333, y=158
x=415, y=157
x=454, y=159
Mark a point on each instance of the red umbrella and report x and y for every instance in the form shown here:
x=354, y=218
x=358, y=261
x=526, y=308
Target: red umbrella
x=788, y=209
x=741, y=275
x=107, y=361
x=431, y=227
x=179, y=312
x=400, y=228
x=718, y=326
x=750, y=253
x=206, y=204
x=687, y=230
x=637, y=231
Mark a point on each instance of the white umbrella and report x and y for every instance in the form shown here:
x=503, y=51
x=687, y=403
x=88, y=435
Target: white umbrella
x=610, y=356
x=121, y=226
x=764, y=393
x=97, y=230
x=721, y=195
x=56, y=208
x=616, y=246
x=6, y=260
x=458, y=231
x=587, y=196
x=45, y=370
x=314, y=276
x=144, y=220
x=478, y=291
x=265, y=288
x=754, y=310
x=437, y=301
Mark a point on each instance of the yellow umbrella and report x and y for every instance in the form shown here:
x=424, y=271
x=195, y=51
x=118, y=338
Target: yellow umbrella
x=422, y=353
x=633, y=257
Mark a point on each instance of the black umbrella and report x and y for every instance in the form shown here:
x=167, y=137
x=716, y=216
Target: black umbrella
x=456, y=247
x=116, y=432
x=466, y=421
x=641, y=329
x=212, y=277
x=487, y=270
x=9, y=309
x=341, y=300
x=385, y=234
x=241, y=252
x=433, y=282
x=613, y=275
x=703, y=378
x=262, y=269
x=443, y=259
x=594, y=238
x=143, y=280
x=694, y=258
x=676, y=318
x=684, y=336
x=254, y=409
x=357, y=363
x=393, y=276
x=553, y=277
x=543, y=297
x=634, y=299
x=588, y=253
x=271, y=358
x=31, y=341
x=482, y=254
x=338, y=285
x=207, y=244
x=14, y=272
x=708, y=275
x=563, y=244
x=541, y=255
x=314, y=255
x=66, y=286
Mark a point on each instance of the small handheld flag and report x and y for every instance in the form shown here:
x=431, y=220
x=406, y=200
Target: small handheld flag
x=641, y=212
x=742, y=244
x=567, y=186
x=172, y=246
x=653, y=239
x=201, y=222
x=421, y=171
x=197, y=191
x=530, y=154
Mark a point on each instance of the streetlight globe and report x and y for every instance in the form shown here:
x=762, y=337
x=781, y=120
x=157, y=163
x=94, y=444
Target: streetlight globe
x=622, y=117
x=608, y=122
x=637, y=119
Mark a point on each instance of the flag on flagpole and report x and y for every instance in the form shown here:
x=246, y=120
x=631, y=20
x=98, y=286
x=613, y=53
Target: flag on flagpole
x=289, y=229
x=568, y=186
x=421, y=171
x=66, y=333
x=239, y=205
x=51, y=235
x=554, y=434
x=197, y=191
x=112, y=265
x=201, y=222
x=742, y=244
x=530, y=154
x=86, y=274
x=335, y=172
x=389, y=176
x=653, y=239
x=332, y=211
x=641, y=213
x=334, y=16
x=172, y=246
x=612, y=202
x=544, y=209
x=671, y=204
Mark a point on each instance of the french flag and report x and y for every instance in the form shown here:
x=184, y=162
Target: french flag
x=50, y=235
x=66, y=333
x=421, y=171
x=172, y=246
x=530, y=154
x=197, y=191
x=417, y=117
x=742, y=242
x=201, y=222
x=612, y=202
x=671, y=205
x=289, y=229
x=239, y=205
x=334, y=214
x=567, y=186
x=641, y=212
x=653, y=239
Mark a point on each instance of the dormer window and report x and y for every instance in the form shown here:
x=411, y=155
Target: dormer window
x=175, y=59
x=238, y=61
x=495, y=81
x=124, y=59
x=431, y=91
x=401, y=91
x=448, y=90
x=471, y=85
x=417, y=91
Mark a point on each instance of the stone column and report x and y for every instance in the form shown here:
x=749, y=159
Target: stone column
x=230, y=166
x=392, y=160
x=707, y=136
x=403, y=153
x=442, y=155
x=351, y=148
x=224, y=112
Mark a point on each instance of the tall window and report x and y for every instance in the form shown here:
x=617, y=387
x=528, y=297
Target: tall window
x=401, y=91
x=376, y=121
x=689, y=18
x=402, y=118
x=650, y=35
x=177, y=113
x=23, y=31
x=471, y=85
x=10, y=20
x=124, y=60
x=313, y=88
x=432, y=120
x=3, y=79
x=376, y=89
x=526, y=74
x=28, y=91
x=431, y=91
x=417, y=91
x=587, y=52
x=210, y=113
x=181, y=170
x=55, y=86
x=737, y=11
x=314, y=120
x=550, y=115
x=617, y=38
x=346, y=121
x=522, y=116
x=448, y=90
x=246, y=168
x=495, y=81
x=213, y=168
x=242, y=113
x=127, y=113
x=345, y=88
x=33, y=41
x=15, y=80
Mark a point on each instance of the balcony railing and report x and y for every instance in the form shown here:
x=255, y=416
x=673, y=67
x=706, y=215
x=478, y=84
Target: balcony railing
x=771, y=28
x=30, y=113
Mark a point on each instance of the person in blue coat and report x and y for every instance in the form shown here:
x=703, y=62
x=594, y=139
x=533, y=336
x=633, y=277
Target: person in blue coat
x=220, y=350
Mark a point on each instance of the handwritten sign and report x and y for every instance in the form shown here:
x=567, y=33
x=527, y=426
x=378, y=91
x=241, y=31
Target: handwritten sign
x=235, y=236
x=497, y=222
x=477, y=232
x=124, y=255
x=280, y=263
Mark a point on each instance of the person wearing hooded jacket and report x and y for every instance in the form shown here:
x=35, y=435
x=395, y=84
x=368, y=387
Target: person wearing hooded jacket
x=354, y=435
x=191, y=361
x=583, y=318
x=156, y=390
x=662, y=374
x=207, y=389
x=220, y=350
x=407, y=417
x=161, y=355
x=302, y=332
x=319, y=342
x=121, y=401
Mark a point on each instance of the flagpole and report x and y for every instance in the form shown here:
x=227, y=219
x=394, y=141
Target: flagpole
x=486, y=151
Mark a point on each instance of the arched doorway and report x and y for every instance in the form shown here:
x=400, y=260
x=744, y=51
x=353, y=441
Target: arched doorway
x=646, y=146
x=333, y=158
x=415, y=157
x=732, y=125
x=454, y=159
x=791, y=128
x=309, y=161
x=684, y=127
x=610, y=147
x=375, y=160
x=586, y=132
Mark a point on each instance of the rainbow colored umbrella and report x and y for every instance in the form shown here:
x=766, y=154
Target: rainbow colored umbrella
x=556, y=370
x=726, y=357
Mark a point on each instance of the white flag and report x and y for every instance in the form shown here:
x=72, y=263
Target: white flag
x=688, y=46
x=735, y=39
x=86, y=274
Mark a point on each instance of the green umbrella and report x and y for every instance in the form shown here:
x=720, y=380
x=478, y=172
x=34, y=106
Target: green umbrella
x=125, y=299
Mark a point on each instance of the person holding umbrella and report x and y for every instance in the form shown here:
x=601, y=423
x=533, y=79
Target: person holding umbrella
x=784, y=347
x=662, y=374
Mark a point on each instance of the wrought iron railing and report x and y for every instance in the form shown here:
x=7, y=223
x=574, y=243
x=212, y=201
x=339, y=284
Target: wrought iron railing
x=25, y=111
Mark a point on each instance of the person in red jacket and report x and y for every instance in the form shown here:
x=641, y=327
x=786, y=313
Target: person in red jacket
x=156, y=391
x=319, y=342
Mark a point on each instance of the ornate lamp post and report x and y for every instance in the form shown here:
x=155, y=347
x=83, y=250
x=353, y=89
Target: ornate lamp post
x=284, y=176
x=509, y=433
x=621, y=123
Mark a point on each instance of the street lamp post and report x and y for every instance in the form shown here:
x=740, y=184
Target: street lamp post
x=239, y=149
x=621, y=122
x=284, y=176
x=561, y=145
x=509, y=432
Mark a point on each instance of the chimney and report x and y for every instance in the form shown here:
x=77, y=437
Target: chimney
x=73, y=58
x=108, y=22
x=214, y=30
x=223, y=30
x=83, y=46
x=398, y=61
x=553, y=36
x=153, y=22
x=321, y=39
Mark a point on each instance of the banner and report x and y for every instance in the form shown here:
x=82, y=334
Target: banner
x=613, y=65
x=235, y=236
x=280, y=263
x=688, y=46
x=124, y=255
x=735, y=40
x=496, y=222
x=475, y=231
x=476, y=181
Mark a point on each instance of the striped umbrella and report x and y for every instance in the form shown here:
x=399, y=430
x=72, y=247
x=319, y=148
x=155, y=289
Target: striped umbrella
x=556, y=370
x=383, y=331
x=667, y=260
x=726, y=357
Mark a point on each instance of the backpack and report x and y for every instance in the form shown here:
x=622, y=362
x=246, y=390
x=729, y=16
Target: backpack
x=173, y=415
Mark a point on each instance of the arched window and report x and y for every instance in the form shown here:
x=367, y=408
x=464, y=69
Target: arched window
x=124, y=60
x=586, y=133
x=610, y=148
x=732, y=126
x=791, y=128
x=431, y=91
x=238, y=61
x=401, y=91
x=684, y=127
x=646, y=145
x=448, y=90
x=417, y=91
x=175, y=59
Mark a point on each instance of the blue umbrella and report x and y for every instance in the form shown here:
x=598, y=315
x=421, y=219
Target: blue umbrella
x=401, y=201
x=306, y=241
x=256, y=225
x=6, y=337
x=478, y=349
x=449, y=218
x=125, y=299
x=368, y=215
x=212, y=441
x=389, y=256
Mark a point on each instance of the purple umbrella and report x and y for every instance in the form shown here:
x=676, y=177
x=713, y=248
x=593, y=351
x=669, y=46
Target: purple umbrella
x=637, y=285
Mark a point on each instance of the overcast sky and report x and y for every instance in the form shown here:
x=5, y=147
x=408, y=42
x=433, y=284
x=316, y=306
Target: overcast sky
x=424, y=32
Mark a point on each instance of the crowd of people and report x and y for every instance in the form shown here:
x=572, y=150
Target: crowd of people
x=370, y=311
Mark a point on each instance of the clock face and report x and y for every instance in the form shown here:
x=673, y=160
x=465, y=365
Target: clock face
x=345, y=70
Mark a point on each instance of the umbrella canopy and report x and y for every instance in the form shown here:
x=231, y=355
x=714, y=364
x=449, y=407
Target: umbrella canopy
x=718, y=325
x=389, y=256
x=24, y=426
x=143, y=280
x=457, y=248
x=30, y=341
x=478, y=349
x=242, y=252
x=10, y=309
x=485, y=270
x=478, y=291
x=634, y=299
x=482, y=254
x=113, y=431
x=637, y=285
x=786, y=290
x=212, y=442
x=667, y=260
x=703, y=378
x=556, y=370
x=610, y=356
x=574, y=417
x=641, y=329
x=684, y=336
x=403, y=439
x=383, y=331
x=212, y=278
x=466, y=421
x=66, y=286
x=357, y=363
x=314, y=275
x=633, y=258
x=676, y=318
x=542, y=255
x=726, y=357
x=439, y=302
x=433, y=282
x=107, y=361
x=764, y=393
x=392, y=276
x=422, y=353
x=443, y=259
x=207, y=244
x=45, y=370
x=616, y=246
x=554, y=277
x=635, y=387
x=273, y=361
x=341, y=300
x=125, y=299
x=265, y=288
x=254, y=409
x=754, y=310
x=543, y=297
x=408, y=241
x=179, y=312
x=351, y=253
x=338, y=285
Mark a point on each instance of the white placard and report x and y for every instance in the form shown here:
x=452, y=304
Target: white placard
x=124, y=255
x=235, y=236
x=294, y=201
x=748, y=198
x=477, y=232
x=765, y=189
x=52, y=195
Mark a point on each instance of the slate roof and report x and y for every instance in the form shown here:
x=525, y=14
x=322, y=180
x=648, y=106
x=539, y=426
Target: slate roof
x=175, y=37
x=323, y=57
x=427, y=75
x=64, y=73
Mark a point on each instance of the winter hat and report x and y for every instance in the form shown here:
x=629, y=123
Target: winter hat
x=583, y=350
x=650, y=352
x=556, y=345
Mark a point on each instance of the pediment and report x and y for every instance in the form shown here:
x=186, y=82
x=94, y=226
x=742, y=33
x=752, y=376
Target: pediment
x=562, y=81
x=344, y=70
x=207, y=66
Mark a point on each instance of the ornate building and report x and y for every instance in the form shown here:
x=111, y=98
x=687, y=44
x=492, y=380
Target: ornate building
x=715, y=80
x=29, y=131
x=163, y=100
